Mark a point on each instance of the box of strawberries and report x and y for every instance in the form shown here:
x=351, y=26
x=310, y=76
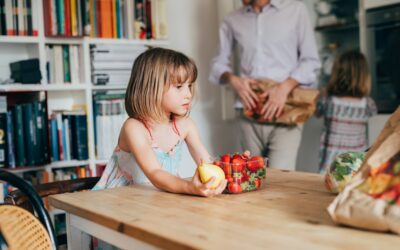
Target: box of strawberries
x=244, y=173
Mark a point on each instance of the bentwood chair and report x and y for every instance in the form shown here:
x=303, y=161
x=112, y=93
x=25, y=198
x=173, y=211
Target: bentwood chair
x=20, y=229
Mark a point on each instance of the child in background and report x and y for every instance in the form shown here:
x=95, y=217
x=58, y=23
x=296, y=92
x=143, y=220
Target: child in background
x=346, y=108
x=158, y=100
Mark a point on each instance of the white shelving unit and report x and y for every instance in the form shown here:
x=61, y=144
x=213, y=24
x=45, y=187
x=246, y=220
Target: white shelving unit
x=14, y=48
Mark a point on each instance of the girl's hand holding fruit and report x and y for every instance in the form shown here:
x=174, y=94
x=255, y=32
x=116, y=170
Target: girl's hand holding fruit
x=212, y=186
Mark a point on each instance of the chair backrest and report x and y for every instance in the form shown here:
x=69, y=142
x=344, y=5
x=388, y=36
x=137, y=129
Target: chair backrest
x=21, y=230
x=18, y=198
x=34, y=199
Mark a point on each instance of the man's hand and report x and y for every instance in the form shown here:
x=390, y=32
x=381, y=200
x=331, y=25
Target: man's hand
x=277, y=96
x=242, y=88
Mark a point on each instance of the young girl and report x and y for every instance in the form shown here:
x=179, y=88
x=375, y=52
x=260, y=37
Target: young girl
x=158, y=100
x=346, y=108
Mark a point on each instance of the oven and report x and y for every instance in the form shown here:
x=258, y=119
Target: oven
x=383, y=53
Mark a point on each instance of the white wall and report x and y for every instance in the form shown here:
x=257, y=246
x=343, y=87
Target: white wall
x=193, y=30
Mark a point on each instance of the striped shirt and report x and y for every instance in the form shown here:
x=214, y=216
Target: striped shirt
x=345, y=126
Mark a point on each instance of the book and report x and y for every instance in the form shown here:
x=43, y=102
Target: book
x=20, y=159
x=10, y=141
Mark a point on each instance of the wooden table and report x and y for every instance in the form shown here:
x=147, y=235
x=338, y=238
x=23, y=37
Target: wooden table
x=289, y=212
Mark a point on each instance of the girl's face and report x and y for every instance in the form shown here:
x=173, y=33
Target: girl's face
x=177, y=99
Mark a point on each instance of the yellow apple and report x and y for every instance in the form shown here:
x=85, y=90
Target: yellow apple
x=207, y=171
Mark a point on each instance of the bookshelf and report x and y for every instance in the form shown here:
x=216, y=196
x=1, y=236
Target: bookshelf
x=62, y=96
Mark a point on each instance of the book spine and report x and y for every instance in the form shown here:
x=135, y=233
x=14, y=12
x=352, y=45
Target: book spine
x=29, y=22
x=20, y=159
x=3, y=28
x=3, y=140
x=29, y=133
x=54, y=140
x=10, y=140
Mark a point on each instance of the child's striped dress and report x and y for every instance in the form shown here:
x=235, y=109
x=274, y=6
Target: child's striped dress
x=345, y=126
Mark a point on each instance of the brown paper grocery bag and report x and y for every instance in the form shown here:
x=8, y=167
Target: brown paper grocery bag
x=362, y=203
x=300, y=105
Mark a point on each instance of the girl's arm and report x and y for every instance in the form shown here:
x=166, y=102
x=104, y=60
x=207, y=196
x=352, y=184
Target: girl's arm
x=196, y=148
x=134, y=138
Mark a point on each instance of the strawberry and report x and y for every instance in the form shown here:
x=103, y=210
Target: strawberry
x=234, y=188
x=257, y=182
x=254, y=163
x=226, y=158
x=218, y=163
x=238, y=165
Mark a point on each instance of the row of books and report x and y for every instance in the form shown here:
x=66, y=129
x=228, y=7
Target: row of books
x=25, y=134
x=112, y=64
x=66, y=17
x=132, y=19
x=109, y=112
x=19, y=17
x=63, y=64
x=69, y=135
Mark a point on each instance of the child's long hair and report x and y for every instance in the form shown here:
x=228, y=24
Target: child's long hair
x=153, y=72
x=350, y=76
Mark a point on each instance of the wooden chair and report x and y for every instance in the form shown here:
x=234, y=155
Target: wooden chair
x=19, y=199
x=19, y=226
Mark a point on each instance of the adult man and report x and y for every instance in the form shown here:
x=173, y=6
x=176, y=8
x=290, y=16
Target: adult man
x=275, y=40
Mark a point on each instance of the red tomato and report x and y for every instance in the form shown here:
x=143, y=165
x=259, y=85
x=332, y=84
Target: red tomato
x=229, y=179
x=238, y=165
x=234, y=188
x=254, y=163
x=257, y=182
x=226, y=158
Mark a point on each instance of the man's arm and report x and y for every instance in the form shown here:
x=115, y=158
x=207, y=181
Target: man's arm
x=221, y=62
x=221, y=70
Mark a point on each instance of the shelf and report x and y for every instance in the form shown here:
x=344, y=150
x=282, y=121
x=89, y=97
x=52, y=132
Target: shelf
x=337, y=27
x=126, y=41
x=19, y=39
x=18, y=87
x=64, y=87
x=101, y=162
x=108, y=87
x=24, y=169
x=53, y=165
x=66, y=164
x=64, y=40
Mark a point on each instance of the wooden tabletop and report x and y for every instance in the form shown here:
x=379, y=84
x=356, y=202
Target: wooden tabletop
x=288, y=212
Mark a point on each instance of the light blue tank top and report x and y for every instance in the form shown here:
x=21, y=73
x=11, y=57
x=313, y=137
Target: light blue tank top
x=122, y=169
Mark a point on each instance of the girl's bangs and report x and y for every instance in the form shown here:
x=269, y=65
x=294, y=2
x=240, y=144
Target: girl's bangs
x=183, y=73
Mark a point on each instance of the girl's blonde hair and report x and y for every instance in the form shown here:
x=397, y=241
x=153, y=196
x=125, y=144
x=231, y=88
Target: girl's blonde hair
x=350, y=76
x=153, y=72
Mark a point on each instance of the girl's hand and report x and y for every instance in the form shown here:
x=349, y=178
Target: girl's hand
x=204, y=189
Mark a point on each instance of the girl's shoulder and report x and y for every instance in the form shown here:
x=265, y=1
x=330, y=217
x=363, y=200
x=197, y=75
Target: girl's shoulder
x=184, y=124
x=134, y=127
x=133, y=131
